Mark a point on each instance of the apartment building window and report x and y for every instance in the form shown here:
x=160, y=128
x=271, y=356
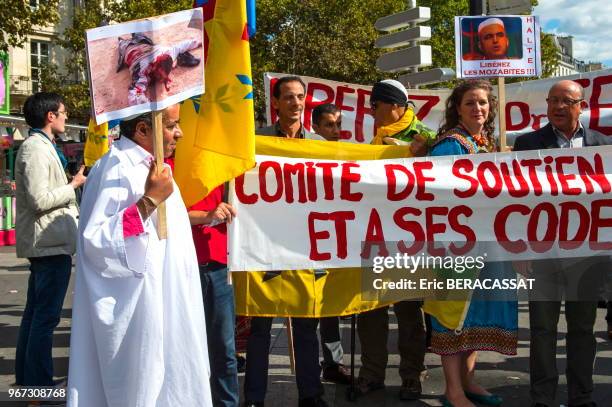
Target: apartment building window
x=39, y=56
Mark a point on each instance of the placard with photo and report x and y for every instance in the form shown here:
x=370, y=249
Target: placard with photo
x=145, y=65
x=494, y=46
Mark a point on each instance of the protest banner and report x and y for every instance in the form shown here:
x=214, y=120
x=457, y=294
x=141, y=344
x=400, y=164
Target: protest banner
x=497, y=46
x=354, y=103
x=308, y=293
x=159, y=63
x=525, y=104
x=315, y=214
x=302, y=293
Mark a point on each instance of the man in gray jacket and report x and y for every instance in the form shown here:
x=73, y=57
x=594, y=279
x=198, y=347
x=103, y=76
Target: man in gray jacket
x=46, y=231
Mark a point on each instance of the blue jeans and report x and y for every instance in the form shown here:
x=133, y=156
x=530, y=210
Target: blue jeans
x=218, y=298
x=47, y=285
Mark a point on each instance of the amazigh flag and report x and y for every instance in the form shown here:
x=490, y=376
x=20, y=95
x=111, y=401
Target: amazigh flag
x=218, y=141
x=96, y=144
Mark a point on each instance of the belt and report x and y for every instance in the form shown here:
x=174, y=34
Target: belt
x=212, y=266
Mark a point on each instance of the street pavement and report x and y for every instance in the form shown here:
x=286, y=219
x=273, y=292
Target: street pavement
x=507, y=376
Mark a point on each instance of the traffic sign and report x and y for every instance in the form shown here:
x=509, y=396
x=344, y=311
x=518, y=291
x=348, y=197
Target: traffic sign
x=425, y=77
x=403, y=19
x=403, y=38
x=404, y=59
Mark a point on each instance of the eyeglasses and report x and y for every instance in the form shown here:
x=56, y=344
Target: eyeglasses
x=563, y=102
x=64, y=112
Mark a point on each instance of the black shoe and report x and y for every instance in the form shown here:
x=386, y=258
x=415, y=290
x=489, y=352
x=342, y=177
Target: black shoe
x=188, y=60
x=253, y=403
x=364, y=386
x=589, y=404
x=312, y=402
x=338, y=374
x=411, y=390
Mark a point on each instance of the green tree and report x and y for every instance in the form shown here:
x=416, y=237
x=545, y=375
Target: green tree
x=19, y=20
x=550, y=57
x=90, y=15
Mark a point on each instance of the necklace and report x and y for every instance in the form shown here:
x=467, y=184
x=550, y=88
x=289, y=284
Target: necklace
x=480, y=139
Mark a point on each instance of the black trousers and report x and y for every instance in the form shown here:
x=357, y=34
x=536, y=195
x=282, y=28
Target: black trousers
x=306, y=349
x=543, y=320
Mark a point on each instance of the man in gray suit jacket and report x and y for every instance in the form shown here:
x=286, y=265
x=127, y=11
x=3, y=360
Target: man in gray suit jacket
x=46, y=228
x=576, y=280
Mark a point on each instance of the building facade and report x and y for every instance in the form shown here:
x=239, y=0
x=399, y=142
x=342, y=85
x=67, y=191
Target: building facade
x=568, y=65
x=26, y=61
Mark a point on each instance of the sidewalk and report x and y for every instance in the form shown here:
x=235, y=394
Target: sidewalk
x=507, y=376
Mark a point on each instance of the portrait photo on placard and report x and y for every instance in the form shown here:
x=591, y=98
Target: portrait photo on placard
x=492, y=38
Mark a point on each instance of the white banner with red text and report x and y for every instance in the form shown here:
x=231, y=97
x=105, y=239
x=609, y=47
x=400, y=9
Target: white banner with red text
x=296, y=213
x=525, y=104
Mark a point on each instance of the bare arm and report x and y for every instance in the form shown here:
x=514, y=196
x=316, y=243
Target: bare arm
x=224, y=212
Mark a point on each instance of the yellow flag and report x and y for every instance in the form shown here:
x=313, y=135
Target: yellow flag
x=96, y=144
x=218, y=141
x=306, y=293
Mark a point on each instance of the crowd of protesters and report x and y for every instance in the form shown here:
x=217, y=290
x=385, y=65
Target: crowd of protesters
x=130, y=347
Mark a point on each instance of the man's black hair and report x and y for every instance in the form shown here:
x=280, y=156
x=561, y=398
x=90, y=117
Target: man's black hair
x=276, y=90
x=128, y=127
x=38, y=105
x=320, y=110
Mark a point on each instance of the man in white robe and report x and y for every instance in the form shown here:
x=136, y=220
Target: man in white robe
x=138, y=330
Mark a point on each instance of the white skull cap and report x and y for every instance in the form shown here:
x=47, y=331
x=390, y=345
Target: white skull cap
x=490, y=21
x=396, y=84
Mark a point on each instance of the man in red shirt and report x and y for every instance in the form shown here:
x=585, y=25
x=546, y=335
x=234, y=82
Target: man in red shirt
x=208, y=219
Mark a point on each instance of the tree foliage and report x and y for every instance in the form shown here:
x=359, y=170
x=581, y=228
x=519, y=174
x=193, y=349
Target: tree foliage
x=330, y=39
x=550, y=57
x=19, y=19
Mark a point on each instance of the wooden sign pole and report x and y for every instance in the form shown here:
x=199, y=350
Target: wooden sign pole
x=501, y=111
x=158, y=149
x=290, y=345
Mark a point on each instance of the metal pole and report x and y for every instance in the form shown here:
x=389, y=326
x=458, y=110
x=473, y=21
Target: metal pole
x=414, y=69
x=476, y=7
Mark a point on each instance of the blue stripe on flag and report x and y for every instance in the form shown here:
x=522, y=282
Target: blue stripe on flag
x=251, y=24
